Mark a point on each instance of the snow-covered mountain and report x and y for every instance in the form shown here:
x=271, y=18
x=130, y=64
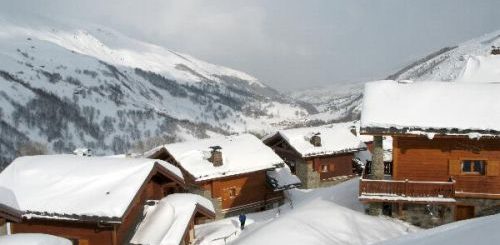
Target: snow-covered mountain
x=70, y=87
x=448, y=63
x=337, y=103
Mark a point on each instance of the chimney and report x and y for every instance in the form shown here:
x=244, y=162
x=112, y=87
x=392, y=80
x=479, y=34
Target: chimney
x=316, y=140
x=84, y=152
x=216, y=156
x=354, y=131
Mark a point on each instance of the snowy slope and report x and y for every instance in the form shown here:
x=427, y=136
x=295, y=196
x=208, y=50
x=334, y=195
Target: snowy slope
x=448, y=63
x=330, y=215
x=94, y=87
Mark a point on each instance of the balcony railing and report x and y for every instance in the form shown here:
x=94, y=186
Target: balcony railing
x=405, y=189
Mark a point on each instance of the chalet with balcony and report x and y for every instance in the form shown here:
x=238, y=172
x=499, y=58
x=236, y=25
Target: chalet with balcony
x=446, y=150
x=93, y=200
x=319, y=156
x=237, y=173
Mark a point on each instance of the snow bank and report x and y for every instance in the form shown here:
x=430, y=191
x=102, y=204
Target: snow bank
x=334, y=139
x=166, y=221
x=482, y=230
x=330, y=215
x=61, y=185
x=33, y=239
x=241, y=154
x=428, y=107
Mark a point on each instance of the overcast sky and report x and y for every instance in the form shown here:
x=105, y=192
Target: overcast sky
x=289, y=44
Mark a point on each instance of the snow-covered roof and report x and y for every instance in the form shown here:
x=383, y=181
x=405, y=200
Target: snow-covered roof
x=243, y=153
x=335, y=139
x=33, y=239
x=166, y=221
x=65, y=186
x=430, y=108
x=282, y=178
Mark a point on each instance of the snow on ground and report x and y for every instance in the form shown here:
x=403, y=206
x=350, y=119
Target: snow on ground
x=482, y=230
x=33, y=239
x=330, y=215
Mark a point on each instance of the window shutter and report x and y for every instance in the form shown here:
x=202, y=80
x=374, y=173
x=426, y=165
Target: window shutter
x=492, y=168
x=454, y=167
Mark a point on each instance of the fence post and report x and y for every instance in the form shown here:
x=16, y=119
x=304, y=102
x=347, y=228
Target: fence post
x=406, y=187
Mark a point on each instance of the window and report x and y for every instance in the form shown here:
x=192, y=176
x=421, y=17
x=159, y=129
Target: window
x=474, y=167
x=232, y=192
x=324, y=168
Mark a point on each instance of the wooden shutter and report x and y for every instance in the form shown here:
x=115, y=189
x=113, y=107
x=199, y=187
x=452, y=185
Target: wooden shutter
x=454, y=167
x=492, y=168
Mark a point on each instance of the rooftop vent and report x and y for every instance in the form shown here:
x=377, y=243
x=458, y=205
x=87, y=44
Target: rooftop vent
x=84, y=152
x=216, y=156
x=316, y=140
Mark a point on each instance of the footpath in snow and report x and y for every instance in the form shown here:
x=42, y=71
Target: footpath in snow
x=330, y=215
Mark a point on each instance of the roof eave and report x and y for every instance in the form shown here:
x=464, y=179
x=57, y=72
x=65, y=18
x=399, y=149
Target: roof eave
x=391, y=131
x=353, y=150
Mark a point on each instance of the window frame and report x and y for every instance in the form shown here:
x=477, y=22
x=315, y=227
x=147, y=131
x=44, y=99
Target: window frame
x=473, y=171
x=322, y=168
x=232, y=192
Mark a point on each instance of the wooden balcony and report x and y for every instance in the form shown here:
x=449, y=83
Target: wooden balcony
x=406, y=191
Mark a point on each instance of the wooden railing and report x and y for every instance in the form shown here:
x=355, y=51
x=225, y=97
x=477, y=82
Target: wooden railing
x=406, y=188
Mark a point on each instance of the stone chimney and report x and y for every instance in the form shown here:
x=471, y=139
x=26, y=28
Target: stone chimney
x=216, y=156
x=315, y=140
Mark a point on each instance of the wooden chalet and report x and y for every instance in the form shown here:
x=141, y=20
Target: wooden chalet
x=446, y=150
x=89, y=200
x=238, y=173
x=319, y=156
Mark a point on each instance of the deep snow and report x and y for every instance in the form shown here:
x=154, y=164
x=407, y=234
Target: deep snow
x=330, y=215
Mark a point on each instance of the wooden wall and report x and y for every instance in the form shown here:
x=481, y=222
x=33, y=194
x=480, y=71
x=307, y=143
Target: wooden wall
x=419, y=158
x=338, y=165
x=250, y=188
x=86, y=233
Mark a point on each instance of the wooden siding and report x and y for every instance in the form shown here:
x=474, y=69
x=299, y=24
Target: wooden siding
x=419, y=158
x=74, y=231
x=338, y=165
x=248, y=188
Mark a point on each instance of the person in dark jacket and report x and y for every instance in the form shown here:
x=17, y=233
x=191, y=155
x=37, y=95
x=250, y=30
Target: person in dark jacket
x=242, y=218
